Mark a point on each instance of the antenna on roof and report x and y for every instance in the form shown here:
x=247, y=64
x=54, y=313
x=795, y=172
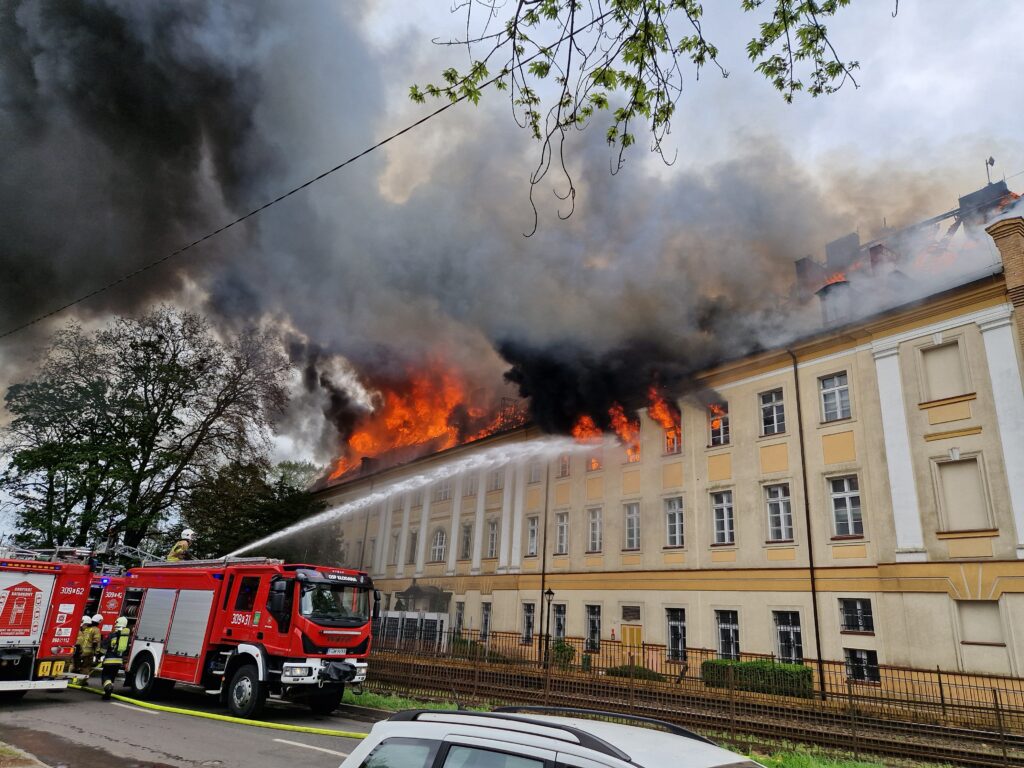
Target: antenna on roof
x=988, y=164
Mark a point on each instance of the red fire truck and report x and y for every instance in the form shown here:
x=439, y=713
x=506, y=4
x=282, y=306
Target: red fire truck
x=247, y=628
x=106, y=596
x=41, y=606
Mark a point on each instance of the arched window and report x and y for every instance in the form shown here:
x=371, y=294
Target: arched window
x=437, y=546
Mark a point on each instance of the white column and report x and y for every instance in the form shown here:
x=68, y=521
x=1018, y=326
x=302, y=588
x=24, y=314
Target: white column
x=902, y=486
x=516, y=561
x=421, y=543
x=453, y=534
x=1009, y=401
x=478, y=524
x=403, y=536
x=383, y=536
x=504, y=536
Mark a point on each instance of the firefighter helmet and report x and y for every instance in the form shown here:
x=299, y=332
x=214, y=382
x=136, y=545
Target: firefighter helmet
x=97, y=619
x=86, y=621
x=121, y=622
x=188, y=534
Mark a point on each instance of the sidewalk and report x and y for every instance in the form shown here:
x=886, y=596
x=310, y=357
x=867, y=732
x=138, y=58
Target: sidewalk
x=12, y=757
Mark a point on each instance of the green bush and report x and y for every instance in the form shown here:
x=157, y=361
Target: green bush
x=636, y=672
x=464, y=648
x=759, y=676
x=562, y=654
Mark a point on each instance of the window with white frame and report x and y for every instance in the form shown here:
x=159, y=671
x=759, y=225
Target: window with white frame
x=718, y=423
x=466, y=542
x=561, y=533
x=856, y=614
x=773, y=413
x=790, y=642
x=846, y=512
x=438, y=545
x=558, y=620
x=460, y=616
x=410, y=555
x=535, y=472
x=728, y=623
x=527, y=626
x=862, y=665
x=594, y=460
x=469, y=484
x=724, y=524
x=532, y=529
x=492, y=538
x=394, y=554
x=485, y=620
x=594, y=529
x=673, y=439
x=835, y=397
x=443, y=490
x=631, y=515
x=496, y=480
x=564, y=465
x=674, y=521
x=593, y=641
x=676, y=647
x=780, y=512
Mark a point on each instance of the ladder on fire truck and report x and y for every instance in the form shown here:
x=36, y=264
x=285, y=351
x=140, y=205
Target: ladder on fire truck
x=212, y=563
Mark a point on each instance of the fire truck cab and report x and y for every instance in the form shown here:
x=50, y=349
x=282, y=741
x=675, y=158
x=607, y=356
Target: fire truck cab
x=248, y=628
x=41, y=607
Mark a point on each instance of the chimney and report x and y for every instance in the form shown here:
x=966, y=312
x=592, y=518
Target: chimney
x=1009, y=238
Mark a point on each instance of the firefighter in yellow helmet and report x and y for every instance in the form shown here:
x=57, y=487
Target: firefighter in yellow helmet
x=116, y=654
x=87, y=644
x=180, y=551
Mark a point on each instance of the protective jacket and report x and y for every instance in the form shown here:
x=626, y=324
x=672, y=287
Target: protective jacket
x=179, y=552
x=117, y=646
x=88, y=640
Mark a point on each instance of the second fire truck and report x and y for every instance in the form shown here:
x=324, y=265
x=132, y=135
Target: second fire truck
x=248, y=628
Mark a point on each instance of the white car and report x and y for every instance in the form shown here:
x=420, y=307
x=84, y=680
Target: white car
x=535, y=737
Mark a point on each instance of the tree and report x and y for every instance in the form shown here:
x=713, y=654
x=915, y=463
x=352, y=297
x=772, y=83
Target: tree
x=563, y=61
x=241, y=501
x=117, y=426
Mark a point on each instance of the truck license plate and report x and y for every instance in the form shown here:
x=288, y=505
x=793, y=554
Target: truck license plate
x=335, y=651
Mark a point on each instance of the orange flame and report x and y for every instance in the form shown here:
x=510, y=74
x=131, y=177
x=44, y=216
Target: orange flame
x=668, y=416
x=628, y=432
x=719, y=414
x=835, y=277
x=585, y=430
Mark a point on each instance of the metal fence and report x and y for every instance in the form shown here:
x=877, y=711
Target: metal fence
x=881, y=709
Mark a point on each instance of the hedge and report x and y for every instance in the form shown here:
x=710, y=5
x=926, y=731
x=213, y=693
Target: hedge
x=759, y=677
x=635, y=671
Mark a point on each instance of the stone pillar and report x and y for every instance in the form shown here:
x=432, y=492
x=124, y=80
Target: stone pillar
x=504, y=535
x=516, y=560
x=403, y=536
x=1008, y=235
x=902, y=485
x=456, y=529
x=478, y=522
x=421, y=543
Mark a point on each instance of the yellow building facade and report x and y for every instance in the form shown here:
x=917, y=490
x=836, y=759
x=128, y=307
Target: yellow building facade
x=861, y=493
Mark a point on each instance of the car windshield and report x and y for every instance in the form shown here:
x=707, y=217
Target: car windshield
x=334, y=604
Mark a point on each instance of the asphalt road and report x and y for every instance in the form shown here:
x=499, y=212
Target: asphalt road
x=78, y=729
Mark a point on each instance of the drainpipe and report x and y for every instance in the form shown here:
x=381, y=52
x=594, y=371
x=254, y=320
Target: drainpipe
x=542, y=646
x=807, y=523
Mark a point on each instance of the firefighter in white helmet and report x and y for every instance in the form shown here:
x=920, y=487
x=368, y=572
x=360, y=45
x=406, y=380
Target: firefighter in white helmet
x=116, y=654
x=87, y=645
x=180, y=551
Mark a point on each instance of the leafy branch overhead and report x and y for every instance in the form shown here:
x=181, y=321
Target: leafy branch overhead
x=562, y=62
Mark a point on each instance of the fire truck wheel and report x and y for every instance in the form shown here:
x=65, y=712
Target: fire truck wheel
x=9, y=697
x=247, y=694
x=325, y=703
x=143, y=679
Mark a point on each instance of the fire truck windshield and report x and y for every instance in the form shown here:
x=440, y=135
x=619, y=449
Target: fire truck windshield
x=335, y=605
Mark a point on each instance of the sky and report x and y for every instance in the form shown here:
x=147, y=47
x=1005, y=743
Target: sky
x=129, y=129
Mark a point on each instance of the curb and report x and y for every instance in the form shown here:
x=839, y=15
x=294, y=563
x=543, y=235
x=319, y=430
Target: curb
x=226, y=718
x=18, y=758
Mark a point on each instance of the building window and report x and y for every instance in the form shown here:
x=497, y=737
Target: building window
x=559, y=621
x=492, y=538
x=532, y=526
x=469, y=484
x=718, y=423
x=443, y=490
x=787, y=627
x=676, y=649
x=862, y=665
x=535, y=470
x=773, y=413
x=856, y=614
x=437, y=546
x=485, y=620
x=564, y=465
x=561, y=533
x=466, y=542
x=528, y=615
x=594, y=460
x=943, y=371
x=674, y=522
x=594, y=522
x=963, y=502
x=721, y=506
x=835, y=397
x=846, y=506
x=780, y=512
x=631, y=512
x=410, y=555
x=496, y=480
x=593, y=643
x=395, y=554
x=673, y=439
x=460, y=617
x=728, y=634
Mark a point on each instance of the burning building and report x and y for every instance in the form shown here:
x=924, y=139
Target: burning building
x=838, y=497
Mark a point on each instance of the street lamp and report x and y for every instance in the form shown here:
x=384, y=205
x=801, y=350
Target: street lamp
x=549, y=595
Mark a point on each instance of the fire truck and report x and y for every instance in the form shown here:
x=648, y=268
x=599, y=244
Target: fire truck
x=41, y=607
x=248, y=628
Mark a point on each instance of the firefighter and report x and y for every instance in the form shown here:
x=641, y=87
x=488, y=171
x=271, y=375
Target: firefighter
x=116, y=653
x=180, y=551
x=86, y=645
